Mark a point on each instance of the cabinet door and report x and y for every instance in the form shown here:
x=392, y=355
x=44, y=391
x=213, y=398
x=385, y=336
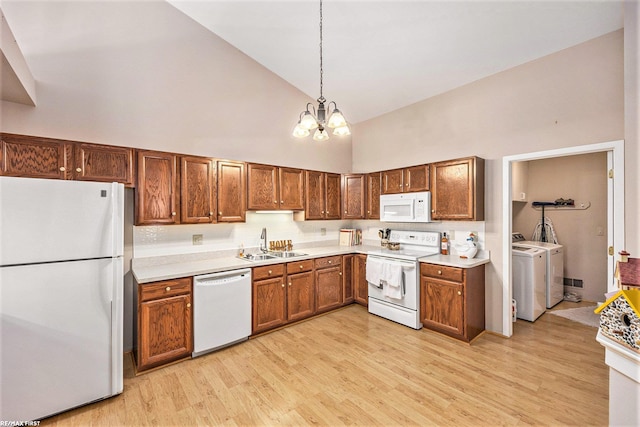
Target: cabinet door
x=262, y=193
x=360, y=280
x=416, y=178
x=373, y=196
x=165, y=332
x=333, y=196
x=268, y=304
x=315, y=195
x=157, y=195
x=291, y=184
x=197, y=190
x=392, y=181
x=442, y=305
x=35, y=157
x=457, y=189
x=347, y=279
x=103, y=163
x=353, y=195
x=232, y=202
x=328, y=288
x=300, y=296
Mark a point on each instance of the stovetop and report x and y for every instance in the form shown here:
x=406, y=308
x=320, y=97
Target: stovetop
x=413, y=245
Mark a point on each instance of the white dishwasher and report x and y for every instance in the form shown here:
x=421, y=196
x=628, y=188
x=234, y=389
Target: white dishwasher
x=221, y=310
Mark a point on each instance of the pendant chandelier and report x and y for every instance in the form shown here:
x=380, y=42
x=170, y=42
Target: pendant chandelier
x=310, y=119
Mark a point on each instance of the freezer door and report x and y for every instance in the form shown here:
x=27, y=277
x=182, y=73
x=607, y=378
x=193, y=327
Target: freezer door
x=60, y=335
x=48, y=220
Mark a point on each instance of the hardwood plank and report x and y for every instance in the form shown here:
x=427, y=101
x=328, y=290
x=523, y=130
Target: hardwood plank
x=352, y=368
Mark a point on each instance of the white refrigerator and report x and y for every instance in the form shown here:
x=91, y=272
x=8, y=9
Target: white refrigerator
x=61, y=287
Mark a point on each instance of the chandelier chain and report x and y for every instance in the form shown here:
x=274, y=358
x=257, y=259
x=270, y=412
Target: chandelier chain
x=321, y=69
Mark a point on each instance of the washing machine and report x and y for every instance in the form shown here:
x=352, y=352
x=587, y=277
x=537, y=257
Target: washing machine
x=529, y=286
x=555, y=267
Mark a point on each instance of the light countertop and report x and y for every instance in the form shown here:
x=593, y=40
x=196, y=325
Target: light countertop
x=146, y=270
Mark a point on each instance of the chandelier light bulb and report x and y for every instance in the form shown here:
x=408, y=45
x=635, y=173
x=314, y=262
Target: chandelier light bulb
x=320, y=135
x=308, y=121
x=336, y=120
x=342, y=131
x=300, y=132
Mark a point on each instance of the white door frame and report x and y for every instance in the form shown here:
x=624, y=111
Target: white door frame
x=615, y=210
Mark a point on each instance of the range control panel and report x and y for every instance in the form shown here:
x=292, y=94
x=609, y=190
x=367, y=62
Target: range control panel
x=416, y=238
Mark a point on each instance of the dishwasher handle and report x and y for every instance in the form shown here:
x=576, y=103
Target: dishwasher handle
x=222, y=278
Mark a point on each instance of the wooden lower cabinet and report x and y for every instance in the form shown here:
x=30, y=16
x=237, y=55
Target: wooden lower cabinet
x=347, y=279
x=268, y=298
x=452, y=300
x=301, y=290
x=329, y=291
x=361, y=287
x=164, y=332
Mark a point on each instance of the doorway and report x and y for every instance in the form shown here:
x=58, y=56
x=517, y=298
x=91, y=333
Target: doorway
x=615, y=210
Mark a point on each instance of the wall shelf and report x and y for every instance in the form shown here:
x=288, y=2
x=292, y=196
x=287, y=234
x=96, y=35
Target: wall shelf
x=577, y=206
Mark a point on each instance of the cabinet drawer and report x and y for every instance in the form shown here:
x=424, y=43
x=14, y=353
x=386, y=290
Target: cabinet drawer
x=268, y=271
x=442, y=272
x=329, y=261
x=164, y=289
x=299, y=266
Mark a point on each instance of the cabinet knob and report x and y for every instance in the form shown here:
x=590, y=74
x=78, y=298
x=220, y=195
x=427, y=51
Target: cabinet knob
x=345, y=211
x=406, y=185
x=439, y=271
x=188, y=305
x=173, y=214
x=269, y=272
x=211, y=213
x=275, y=201
x=282, y=201
x=400, y=185
x=283, y=285
x=322, y=211
x=329, y=261
x=433, y=211
x=289, y=283
x=459, y=292
x=301, y=267
x=78, y=169
x=168, y=288
x=340, y=273
x=219, y=213
x=62, y=169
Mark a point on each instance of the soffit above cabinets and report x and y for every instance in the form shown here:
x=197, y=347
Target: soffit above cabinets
x=16, y=83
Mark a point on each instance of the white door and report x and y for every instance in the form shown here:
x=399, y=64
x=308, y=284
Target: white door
x=59, y=335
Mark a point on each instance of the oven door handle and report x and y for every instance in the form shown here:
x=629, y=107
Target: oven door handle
x=408, y=265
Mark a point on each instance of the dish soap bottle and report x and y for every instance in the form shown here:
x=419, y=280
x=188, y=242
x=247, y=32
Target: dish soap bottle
x=444, y=245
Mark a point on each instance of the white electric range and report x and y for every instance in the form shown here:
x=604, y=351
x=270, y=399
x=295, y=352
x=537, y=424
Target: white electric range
x=394, y=276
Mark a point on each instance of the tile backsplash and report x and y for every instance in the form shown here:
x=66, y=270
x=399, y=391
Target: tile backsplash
x=162, y=240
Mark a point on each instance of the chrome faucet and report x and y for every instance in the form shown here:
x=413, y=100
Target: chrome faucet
x=263, y=240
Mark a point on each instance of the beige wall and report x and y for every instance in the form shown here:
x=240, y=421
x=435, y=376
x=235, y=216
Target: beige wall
x=582, y=178
x=573, y=97
x=165, y=83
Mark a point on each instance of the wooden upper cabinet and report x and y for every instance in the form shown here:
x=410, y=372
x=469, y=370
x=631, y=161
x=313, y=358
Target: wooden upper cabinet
x=291, y=187
x=103, y=163
x=406, y=180
x=157, y=197
x=271, y=187
x=333, y=196
x=353, y=196
x=457, y=189
x=372, y=198
x=232, y=200
x=416, y=178
x=36, y=157
x=392, y=181
x=197, y=190
x=315, y=195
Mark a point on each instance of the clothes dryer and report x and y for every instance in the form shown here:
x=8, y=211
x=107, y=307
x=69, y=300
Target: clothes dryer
x=554, y=279
x=528, y=272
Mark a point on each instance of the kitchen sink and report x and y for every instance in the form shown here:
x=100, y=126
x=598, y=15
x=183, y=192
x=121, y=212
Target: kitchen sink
x=258, y=257
x=288, y=254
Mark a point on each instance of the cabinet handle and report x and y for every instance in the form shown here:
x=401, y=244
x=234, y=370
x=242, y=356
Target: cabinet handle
x=289, y=283
x=301, y=267
x=210, y=213
x=433, y=211
x=78, y=170
x=282, y=201
x=459, y=292
x=439, y=271
x=275, y=201
x=322, y=211
x=283, y=285
x=406, y=185
x=62, y=169
x=219, y=213
x=269, y=272
x=168, y=288
x=329, y=261
x=400, y=185
x=340, y=273
x=188, y=305
x=173, y=214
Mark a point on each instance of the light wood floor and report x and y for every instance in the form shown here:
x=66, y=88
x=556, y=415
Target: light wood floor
x=350, y=367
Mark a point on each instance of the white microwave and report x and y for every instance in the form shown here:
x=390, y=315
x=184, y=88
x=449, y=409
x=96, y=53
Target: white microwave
x=405, y=207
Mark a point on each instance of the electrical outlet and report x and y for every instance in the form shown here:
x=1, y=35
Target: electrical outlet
x=196, y=239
